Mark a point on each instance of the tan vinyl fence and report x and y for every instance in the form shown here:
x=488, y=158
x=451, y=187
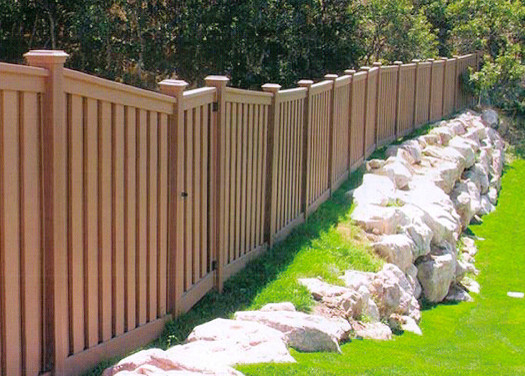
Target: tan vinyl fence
x=120, y=208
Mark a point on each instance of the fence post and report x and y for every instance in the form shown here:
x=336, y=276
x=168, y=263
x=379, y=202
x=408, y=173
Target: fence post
x=306, y=130
x=398, y=96
x=416, y=93
x=457, y=82
x=365, y=122
x=331, y=77
x=431, y=88
x=351, y=73
x=443, y=95
x=175, y=282
x=271, y=164
x=54, y=147
x=217, y=148
x=376, y=117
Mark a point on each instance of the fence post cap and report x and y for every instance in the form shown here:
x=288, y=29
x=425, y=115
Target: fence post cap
x=172, y=87
x=416, y=61
x=397, y=62
x=331, y=76
x=377, y=64
x=431, y=59
x=38, y=57
x=365, y=68
x=350, y=72
x=305, y=83
x=271, y=88
x=216, y=81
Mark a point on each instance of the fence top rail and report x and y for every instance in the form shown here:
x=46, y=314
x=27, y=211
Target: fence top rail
x=292, y=94
x=320, y=87
x=22, y=78
x=23, y=70
x=425, y=64
x=247, y=96
x=389, y=68
x=439, y=63
x=407, y=67
x=199, y=97
x=85, y=84
x=359, y=76
x=343, y=81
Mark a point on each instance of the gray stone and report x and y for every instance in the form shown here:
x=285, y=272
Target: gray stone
x=435, y=273
x=490, y=118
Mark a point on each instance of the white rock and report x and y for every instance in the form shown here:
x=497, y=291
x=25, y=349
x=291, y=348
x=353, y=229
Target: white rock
x=435, y=273
x=471, y=285
x=398, y=173
x=486, y=206
x=377, y=219
x=405, y=323
x=375, y=190
x=497, y=163
x=303, y=332
x=411, y=275
x=430, y=139
x=413, y=147
x=231, y=342
x=396, y=249
x=377, y=330
x=350, y=303
x=457, y=127
x=374, y=164
x=479, y=176
x=284, y=306
x=493, y=195
x=393, y=293
x=458, y=294
x=469, y=246
x=354, y=279
x=466, y=147
x=445, y=134
x=416, y=229
x=449, y=153
x=467, y=201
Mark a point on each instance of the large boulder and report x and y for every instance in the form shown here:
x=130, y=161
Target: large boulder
x=375, y=190
x=397, y=249
x=436, y=272
x=467, y=148
x=231, y=342
x=414, y=227
x=159, y=362
x=348, y=302
x=393, y=293
x=377, y=331
x=445, y=134
x=466, y=197
x=479, y=176
x=302, y=331
x=376, y=219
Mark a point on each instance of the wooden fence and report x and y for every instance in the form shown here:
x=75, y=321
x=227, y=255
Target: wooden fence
x=120, y=207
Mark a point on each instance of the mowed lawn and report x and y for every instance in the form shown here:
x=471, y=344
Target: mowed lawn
x=486, y=337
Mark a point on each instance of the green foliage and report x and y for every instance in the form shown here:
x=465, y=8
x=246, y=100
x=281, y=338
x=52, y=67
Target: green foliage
x=394, y=30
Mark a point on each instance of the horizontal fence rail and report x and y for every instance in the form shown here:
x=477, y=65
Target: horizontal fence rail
x=120, y=208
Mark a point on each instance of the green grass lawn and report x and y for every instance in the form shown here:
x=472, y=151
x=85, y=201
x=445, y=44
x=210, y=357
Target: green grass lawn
x=486, y=337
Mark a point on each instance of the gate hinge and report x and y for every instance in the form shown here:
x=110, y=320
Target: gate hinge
x=215, y=106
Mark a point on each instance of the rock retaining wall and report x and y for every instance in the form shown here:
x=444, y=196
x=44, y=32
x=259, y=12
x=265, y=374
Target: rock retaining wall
x=414, y=207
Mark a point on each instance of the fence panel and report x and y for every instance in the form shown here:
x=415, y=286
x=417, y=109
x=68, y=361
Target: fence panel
x=318, y=143
x=387, y=105
x=21, y=222
x=197, y=276
x=117, y=204
x=245, y=131
x=449, y=87
x=371, y=111
x=341, y=131
x=423, y=93
x=436, y=90
x=287, y=167
x=407, y=98
x=358, y=119
x=463, y=99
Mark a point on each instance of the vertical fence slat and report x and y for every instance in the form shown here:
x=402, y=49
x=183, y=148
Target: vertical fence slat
x=142, y=219
x=152, y=215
